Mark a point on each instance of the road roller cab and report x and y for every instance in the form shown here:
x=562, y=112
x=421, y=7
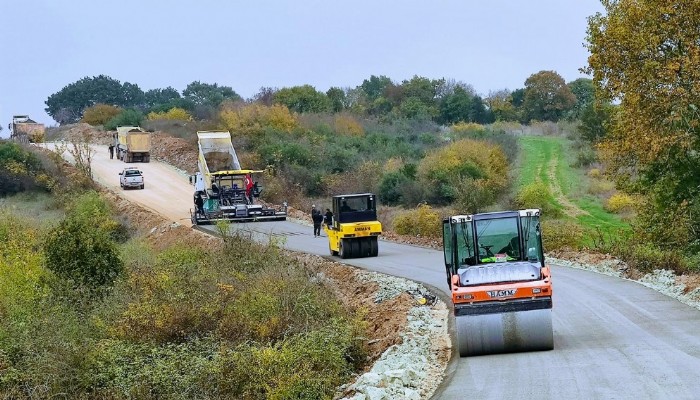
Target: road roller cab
x=501, y=288
x=354, y=228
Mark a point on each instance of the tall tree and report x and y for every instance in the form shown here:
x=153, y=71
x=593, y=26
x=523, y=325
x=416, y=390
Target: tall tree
x=547, y=97
x=67, y=105
x=302, y=99
x=584, y=91
x=645, y=55
x=209, y=94
x=500, y=103
x=156, y=97
x=374, y=86
x=336, y=96
x=455, y=107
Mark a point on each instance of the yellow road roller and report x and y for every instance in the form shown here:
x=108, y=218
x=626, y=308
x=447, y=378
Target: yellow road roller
x=353, y=229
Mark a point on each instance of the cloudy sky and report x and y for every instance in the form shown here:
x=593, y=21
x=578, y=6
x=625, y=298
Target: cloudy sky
x=491, y=45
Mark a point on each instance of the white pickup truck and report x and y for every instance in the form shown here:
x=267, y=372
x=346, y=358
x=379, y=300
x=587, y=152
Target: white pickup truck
x=131, y=178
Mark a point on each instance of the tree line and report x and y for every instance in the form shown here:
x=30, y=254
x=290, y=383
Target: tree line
x=544, y=97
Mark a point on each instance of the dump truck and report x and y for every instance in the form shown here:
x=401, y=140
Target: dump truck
x=223, y=190
x=25, y=130
x=500, y=285
x=354, y=229
x=132, y=144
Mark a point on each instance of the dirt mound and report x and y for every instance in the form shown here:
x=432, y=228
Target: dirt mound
x=175, y=151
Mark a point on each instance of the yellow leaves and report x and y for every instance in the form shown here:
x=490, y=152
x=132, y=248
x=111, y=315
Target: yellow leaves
x=99, y=114
x=348, y=125
x=421, y=221
x=252, y=119
x=619, y=203
x=174, y=113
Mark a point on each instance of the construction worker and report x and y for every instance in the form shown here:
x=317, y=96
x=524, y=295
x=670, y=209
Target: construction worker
x=199, y=202
x=111, y=151
x=317, y=218
x=329, y=217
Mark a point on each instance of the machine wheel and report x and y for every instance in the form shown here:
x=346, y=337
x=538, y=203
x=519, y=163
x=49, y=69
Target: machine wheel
x=374, y=247
x=355, y=248
x=333, y=252
x=365, y=247
x=344, y=250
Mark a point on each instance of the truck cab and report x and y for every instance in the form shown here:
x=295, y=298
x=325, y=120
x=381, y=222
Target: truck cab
x=131, y=178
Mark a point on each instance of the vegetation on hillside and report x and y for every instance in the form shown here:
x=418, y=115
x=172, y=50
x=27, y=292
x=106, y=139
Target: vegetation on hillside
x=89, y=310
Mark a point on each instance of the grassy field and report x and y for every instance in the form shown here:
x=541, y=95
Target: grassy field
x=549, y=160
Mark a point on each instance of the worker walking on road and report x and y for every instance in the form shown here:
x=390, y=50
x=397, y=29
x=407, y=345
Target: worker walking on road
x=111, y=151
x=317, y=218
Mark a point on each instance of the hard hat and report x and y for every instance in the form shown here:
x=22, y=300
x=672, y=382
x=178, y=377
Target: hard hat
x=313, y=206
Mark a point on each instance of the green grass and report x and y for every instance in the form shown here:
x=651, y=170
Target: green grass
x=537, y=152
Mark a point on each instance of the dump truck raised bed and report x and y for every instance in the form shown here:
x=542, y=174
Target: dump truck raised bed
x=501, y=288
x=23, y=129
x=354, y=229
x=224, y=191
x=132, y=144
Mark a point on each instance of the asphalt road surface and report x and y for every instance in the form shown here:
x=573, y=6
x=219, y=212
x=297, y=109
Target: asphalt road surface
x=614, y=339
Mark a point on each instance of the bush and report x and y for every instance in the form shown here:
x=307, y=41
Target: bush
x=125, y=118
x=537, y=195
x=80, y=249
x=254, y=119
x=175, y=113
x=619, y=203
x=443, y=169
x=99, y=114
x=647, y=257
x=422, y=221
x=561, y=234
x=600, y=186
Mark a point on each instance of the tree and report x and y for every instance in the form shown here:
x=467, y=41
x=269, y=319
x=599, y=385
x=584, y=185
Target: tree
x=68, y=104
x=584, y=91
x=500, y=104
x=374, y=86
x=157, y=97
x=99, y=114
x=455, y=107
x=336, y=96
x=206, y=94
x=595, y=121
x=265, y=96
x=645, y=56
x=303, y=99
x=547, y=97
x=129, y=117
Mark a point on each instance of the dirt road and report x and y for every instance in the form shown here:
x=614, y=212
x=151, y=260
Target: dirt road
x=167, y=190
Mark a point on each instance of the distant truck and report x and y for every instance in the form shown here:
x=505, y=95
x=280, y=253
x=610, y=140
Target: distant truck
x=23, y=129
x=132, y=144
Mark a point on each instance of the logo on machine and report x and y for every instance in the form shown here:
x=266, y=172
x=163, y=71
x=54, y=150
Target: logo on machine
x=501, y=293
x=362, y=228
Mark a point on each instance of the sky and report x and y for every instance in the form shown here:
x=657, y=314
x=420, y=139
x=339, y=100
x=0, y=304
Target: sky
x=490, y=45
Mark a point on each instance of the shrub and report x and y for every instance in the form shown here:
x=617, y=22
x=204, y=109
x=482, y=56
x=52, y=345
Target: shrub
x=594, y=173
x=346, y=124
x=80, y=249
x=536, y=195
x=99, y=114
x=468, y=129
x=600, y=186
x=254, y=119
x=174, y=113
x=443, y=169
x=125, y=118
x=561, y=234
x=646, y=257
x=619, y=203
x=421, y=221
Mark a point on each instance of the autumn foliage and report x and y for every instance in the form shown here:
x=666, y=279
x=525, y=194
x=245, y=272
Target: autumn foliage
x=99, y=114
x=252, y=119
x=174, y=113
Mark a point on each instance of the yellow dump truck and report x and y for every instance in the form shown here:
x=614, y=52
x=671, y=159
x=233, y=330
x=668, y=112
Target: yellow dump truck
x=23, y=129
x=354, y=228
x=132, y=144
